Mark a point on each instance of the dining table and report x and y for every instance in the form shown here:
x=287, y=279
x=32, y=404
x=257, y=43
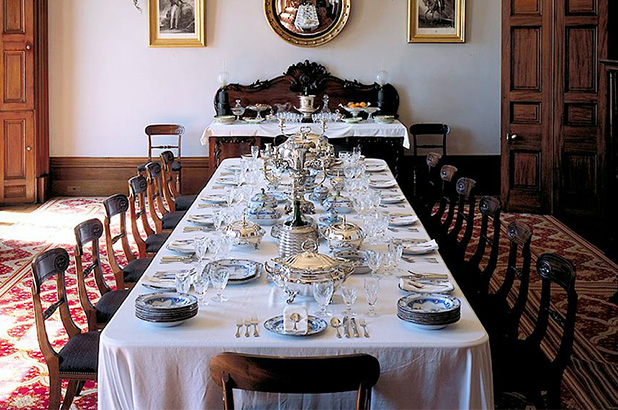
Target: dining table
x=145, y=366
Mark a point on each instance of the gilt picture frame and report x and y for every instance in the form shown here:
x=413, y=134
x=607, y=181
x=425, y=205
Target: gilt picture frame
x=177, y=23
x=436, y=21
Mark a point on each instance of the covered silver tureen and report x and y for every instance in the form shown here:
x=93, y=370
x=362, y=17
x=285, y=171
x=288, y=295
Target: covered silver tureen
x=344, y=235
x=244, y=232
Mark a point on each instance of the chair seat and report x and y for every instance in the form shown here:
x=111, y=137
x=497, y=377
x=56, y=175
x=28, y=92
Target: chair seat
x=171, y=219
x=135, y=269
x=80, y=354
x=184, y=202
x=176, y=166
x=109, y=304
x=155, y=242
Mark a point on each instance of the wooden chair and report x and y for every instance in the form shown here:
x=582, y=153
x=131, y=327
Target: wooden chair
x=126, y=277
x=494, y=310
x=419, y=130
x=171, y=184
x=470, y=274
x=167, y=220
x=452, y=248
x=524, y=366
x=435, y=223
x=430, y=193
x=89, y=232
x=147, y=248
x=77, y=361
x=308, y=375
x=166, y=131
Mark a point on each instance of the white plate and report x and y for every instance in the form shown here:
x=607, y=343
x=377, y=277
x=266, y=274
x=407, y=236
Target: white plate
x=382, y=183
x=227, y=181
x=253, y=120
x=420, y=248
x=155, y=283
x=375, y=167
x=214, y=198
x=426, y=286
x=201, y=219
x=184, y=246
x=404, y=220
x=392, y=199
x=352, y=120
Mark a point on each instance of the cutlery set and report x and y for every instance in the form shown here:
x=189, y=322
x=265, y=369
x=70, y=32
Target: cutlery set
x=174, y=259
x=419, y=260
x=247, y=323
x=350, y=326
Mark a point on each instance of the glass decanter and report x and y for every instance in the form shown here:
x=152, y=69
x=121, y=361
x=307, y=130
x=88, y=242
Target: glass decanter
x=238, y=110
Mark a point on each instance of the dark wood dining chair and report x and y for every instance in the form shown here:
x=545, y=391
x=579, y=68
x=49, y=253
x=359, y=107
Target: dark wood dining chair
x=116, y=207
x=525, y=367
x=498, y=315
x=171, y=184
x=468, y=276
x=443, y=216
x=98, y=314
x=429, y=194
x=295, y=375
x=454, y=242
x=77, y=360
x=166, y=132
x=419, y=131
x=163, y=218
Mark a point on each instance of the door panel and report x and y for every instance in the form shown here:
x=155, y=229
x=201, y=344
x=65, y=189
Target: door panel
x=17, y=178
x=526, y=105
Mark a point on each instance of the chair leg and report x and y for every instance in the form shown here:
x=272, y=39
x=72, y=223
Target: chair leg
x=55, y=390
x=70, y=394
x=81, y=383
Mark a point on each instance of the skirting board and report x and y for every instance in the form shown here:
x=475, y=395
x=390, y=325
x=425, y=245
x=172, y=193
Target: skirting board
x=104, y=176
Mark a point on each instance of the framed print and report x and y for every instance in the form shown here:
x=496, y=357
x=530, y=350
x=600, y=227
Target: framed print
x=436, y=21
x=177, y=23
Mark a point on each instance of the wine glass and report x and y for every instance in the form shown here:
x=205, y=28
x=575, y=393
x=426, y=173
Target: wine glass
x=201, y=282
x=219, y=278
x=182, y=281
x=255, y=152
x=372, y=287
x=322, y=292
x=349, y=297
x=201, y=248
x=395, y=251
x=374, y=260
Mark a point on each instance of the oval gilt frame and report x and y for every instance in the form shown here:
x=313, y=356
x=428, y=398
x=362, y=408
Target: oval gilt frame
x=309, y=40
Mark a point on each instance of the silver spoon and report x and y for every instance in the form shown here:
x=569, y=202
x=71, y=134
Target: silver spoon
x=295, y=318
x=336, y=323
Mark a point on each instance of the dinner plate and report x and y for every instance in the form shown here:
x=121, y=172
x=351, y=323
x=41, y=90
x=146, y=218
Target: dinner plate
x=152, y=282
x=382, y=183
x=201, y=219
x=377, y=167
x=315, y=325
x=241, y=270
x=404, y=220
x=392, y=199
x=184, y=246
x=420, y=248
x=426, y=286
x=165, y=301
x=214, y=198
x=227, y=181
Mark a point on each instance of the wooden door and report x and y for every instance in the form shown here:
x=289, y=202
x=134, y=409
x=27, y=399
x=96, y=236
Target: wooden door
x=580, y=90
x=527, y=105
x=17, y=177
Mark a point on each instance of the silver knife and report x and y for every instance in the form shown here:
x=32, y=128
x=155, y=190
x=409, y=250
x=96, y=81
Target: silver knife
x=346, y=326
x=354, y=327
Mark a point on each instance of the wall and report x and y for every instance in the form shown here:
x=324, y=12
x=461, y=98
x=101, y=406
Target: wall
x=106, y=84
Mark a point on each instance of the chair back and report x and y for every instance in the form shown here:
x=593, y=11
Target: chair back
x=519, y=235
x=307, y=375
x=117, y=205
x=429, y=129
x=171, y=179
x=164, y=130
x=51, y=264
x=447, y=173
x=154, y=193
x=466, y=205
x=558, y=271
x=89, y=232
x=490, y=208
x=138, y=191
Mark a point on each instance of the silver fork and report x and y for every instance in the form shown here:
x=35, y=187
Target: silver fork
x=247, y=325
x=363, y=324
x=254, y=322
x=239, y=325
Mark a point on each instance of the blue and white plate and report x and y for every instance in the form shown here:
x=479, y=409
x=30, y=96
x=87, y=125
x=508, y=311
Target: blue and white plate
x=241, y=270
x=214, y=198
x=428, y=304
x=315, y=325
x=165, y=301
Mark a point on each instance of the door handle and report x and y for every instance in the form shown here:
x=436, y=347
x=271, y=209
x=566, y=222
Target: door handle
x=512, y=137
x=28, y=46
x=28, y=148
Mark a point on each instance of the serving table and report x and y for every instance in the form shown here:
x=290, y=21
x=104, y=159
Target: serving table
x=142, y=366
x=229, y=141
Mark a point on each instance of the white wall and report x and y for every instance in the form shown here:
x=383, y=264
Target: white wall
x=106, y=84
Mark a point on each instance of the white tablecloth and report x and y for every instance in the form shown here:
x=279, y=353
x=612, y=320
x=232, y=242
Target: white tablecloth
x=333, y=130
x=142, y=366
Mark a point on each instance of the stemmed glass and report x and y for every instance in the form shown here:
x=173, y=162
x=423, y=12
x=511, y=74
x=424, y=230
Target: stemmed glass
x=374, y=260
x=238, y=110
x=382, y=222
x=201, y=282
x=182, y=281
x=372, y=287
x=349, y=297
x=219, y=278
x=322, y=293
x=395, y=252
x=255, y=152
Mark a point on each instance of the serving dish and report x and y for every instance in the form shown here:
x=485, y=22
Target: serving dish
x=315, y=325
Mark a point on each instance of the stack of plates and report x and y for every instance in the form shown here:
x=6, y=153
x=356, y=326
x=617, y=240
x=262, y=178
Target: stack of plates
x=165, y=309
x=429, y=311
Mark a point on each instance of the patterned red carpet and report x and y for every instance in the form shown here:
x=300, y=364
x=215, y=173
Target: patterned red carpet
x=590, y=382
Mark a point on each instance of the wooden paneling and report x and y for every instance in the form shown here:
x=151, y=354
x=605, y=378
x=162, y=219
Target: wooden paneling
x=104, y=176
x=525, y=113
x=14, y=21
x=580, y=115
x=526, y=170
x=575, y=7
x=580, y=172
x=580, y=57
x=17, y=181
x=519, y=7
x=526, y=62
x=17, y=69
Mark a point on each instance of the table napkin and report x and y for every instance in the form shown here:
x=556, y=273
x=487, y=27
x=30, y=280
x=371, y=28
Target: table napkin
x=420, y=248
x=288, y=323
x=412, y=285
x=404, y=220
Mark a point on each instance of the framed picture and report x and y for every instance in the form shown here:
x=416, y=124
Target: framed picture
x=436, y=21
x=177, y=23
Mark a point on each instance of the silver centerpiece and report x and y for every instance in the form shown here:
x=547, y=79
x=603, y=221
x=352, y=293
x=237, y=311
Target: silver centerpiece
x=344, y=235
x=244, y=232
